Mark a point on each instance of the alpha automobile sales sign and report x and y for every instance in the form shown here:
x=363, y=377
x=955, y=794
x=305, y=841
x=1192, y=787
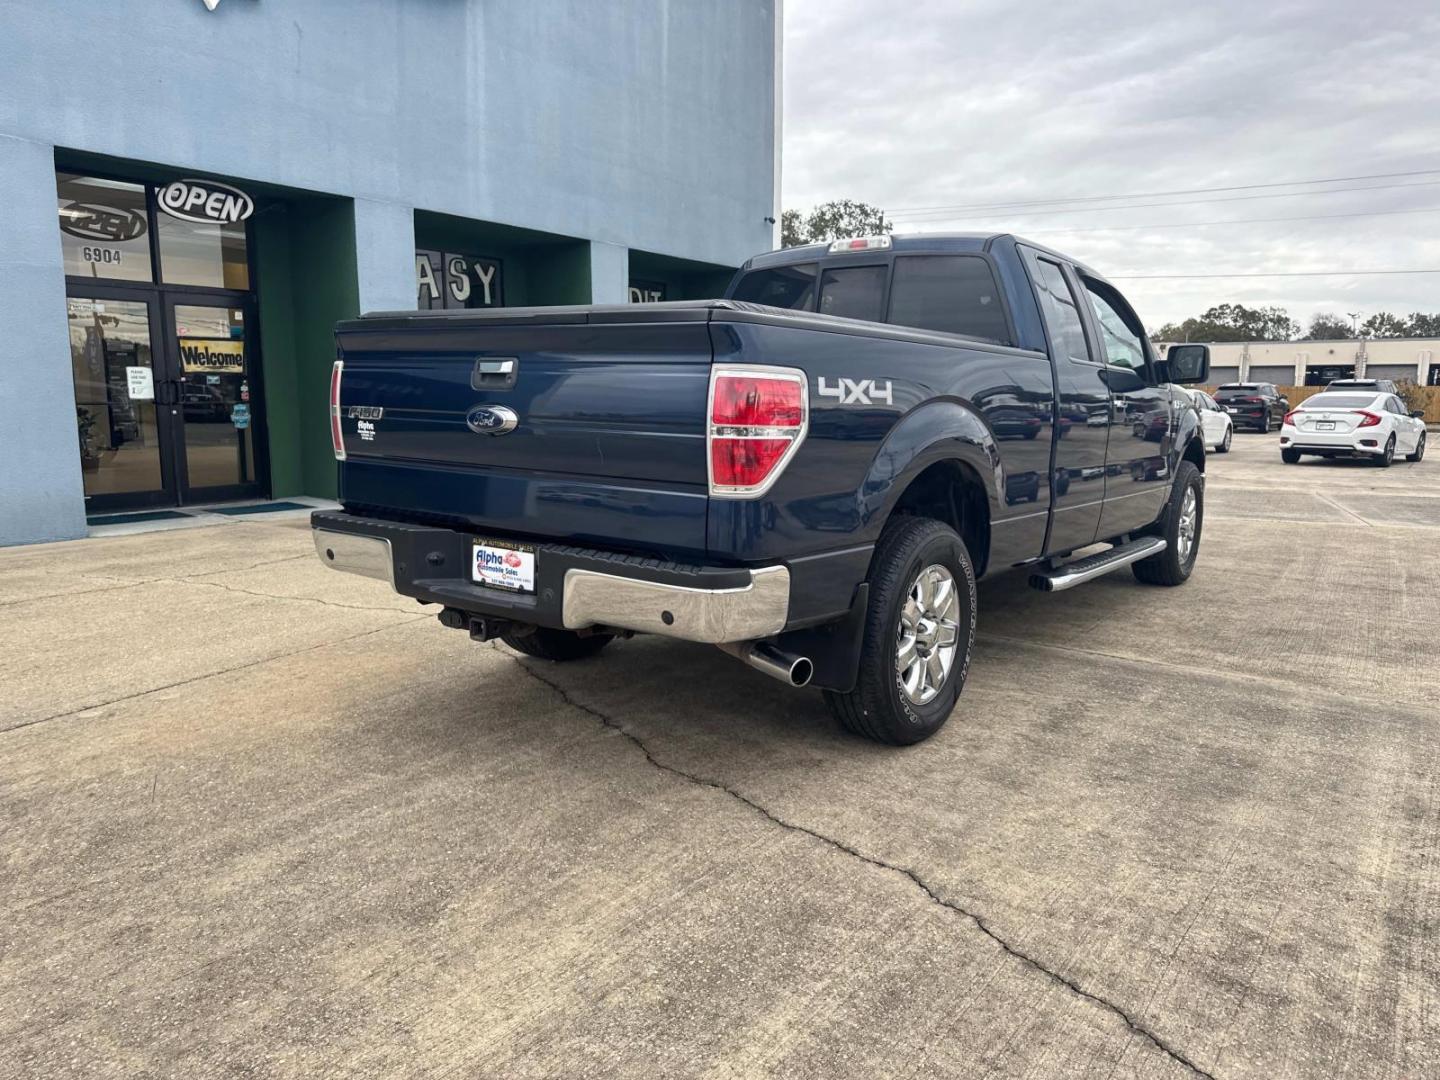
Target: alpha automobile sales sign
x=206, y=201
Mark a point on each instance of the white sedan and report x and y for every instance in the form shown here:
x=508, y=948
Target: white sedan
x=1216, y=427
x=1360, y=424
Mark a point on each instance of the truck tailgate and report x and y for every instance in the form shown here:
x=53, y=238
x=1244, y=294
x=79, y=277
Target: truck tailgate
x=608, y=445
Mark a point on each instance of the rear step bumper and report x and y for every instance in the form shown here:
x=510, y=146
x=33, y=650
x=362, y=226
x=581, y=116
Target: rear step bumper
x=575, y=587
x=1092, y=566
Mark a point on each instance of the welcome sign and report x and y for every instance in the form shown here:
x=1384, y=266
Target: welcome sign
x=213, y=355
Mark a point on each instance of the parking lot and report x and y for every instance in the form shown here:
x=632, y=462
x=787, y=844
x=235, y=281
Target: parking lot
x=262, y=819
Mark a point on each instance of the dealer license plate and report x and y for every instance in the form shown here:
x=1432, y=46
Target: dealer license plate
x=503, y=565
x=1230, y=410
x=1324, y=425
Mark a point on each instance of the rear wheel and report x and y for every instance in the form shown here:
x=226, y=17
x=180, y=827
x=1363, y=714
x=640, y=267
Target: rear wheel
x=1180, y=527
x=1224, y=447
x=557, y=645
x=919, y=632
x=1387, y=455
x=1419, y=451
x=1290, y=457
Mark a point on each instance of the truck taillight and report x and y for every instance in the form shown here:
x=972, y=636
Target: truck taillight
x=758, y=417
x=337, y=436
x=1369, y=418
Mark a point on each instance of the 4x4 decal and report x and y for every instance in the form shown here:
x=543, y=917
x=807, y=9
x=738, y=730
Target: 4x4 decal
x=851, y=392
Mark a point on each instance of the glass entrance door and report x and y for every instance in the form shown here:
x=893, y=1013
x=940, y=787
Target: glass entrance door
x=217, y=397
x=166, y=398
x=122, y=428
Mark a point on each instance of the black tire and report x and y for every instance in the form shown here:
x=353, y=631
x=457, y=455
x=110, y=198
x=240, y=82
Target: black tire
x=1169, y=567
x=1419, y=452
x=1290, y=457
x=878, y=707
x=1224, y=447
x=1387, y=455
x=557, y=645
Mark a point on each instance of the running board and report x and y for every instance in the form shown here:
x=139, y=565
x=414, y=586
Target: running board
x=1093, y=566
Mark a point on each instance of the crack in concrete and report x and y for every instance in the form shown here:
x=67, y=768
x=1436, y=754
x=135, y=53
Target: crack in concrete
x=1343, y=509
x=123, y=583
x=702, y=781
x=277, y=596
x=208, y=675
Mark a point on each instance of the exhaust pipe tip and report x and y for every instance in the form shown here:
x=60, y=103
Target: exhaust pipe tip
x=778, y=664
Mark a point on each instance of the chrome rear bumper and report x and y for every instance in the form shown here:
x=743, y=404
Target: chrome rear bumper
x=368, y=556
x=750, y=604
x=713, y=616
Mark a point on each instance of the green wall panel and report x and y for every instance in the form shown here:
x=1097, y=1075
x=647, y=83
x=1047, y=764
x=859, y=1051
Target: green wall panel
x=684, y=279
x=307, y=283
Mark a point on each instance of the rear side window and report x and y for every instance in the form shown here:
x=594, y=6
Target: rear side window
x=1062, y=315
x=781, y=286
x=955, y=294
x=853, y=292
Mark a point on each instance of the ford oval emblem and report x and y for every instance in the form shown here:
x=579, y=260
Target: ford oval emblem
x=491, y=419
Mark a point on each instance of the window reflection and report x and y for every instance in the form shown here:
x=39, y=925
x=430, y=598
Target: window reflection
x=215, y=395
x=103, y=228
x=119, y=443
x=202, y=253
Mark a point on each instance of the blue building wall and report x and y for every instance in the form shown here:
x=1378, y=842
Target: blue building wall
x=646, y=124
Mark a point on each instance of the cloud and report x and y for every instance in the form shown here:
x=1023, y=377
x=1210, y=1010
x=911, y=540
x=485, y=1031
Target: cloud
x=934, y=104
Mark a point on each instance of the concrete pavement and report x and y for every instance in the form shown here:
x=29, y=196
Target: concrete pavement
x=262, y=819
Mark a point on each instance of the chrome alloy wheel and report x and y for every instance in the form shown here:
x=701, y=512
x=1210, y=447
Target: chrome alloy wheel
x=1189, y=515
x=925, y=640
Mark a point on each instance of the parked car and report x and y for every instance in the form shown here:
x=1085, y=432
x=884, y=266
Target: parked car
x=1216, y=426
x=1343, y=424
x=1379, y=386
x=1259, y=406
x=807, y=473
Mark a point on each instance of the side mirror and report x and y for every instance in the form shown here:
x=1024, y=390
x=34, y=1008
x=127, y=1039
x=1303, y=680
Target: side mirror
x=1188, y=363
x=1417, y=414
x=1122, y=380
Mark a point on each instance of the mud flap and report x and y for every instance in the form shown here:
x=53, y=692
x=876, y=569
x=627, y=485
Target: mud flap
x=833, y=648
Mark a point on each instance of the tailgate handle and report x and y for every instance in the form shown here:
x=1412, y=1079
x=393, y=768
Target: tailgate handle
x=494, y=373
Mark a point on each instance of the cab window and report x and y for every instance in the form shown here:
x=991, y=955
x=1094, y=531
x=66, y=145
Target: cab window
x=781, y=286
x=853, y=292
x=1120, y=342
x=1062, y=315
x=955, y=294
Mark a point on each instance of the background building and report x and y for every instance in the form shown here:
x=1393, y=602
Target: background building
x=190, y=198
x=1315, y=363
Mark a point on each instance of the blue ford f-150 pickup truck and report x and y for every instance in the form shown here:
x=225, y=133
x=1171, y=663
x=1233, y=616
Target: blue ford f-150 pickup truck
x=811, y=473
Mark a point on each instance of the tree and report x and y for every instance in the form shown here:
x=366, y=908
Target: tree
x=1419, y=325
x=1232, y=322
x=793, y=231
x=1328, y=328
x=1410, y=392
x=1383, y=325
x=832, y=221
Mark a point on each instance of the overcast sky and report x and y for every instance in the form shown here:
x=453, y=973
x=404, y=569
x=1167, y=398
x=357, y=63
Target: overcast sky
x=924, y=103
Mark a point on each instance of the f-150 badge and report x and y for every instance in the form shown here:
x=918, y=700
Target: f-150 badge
x=856, y=392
